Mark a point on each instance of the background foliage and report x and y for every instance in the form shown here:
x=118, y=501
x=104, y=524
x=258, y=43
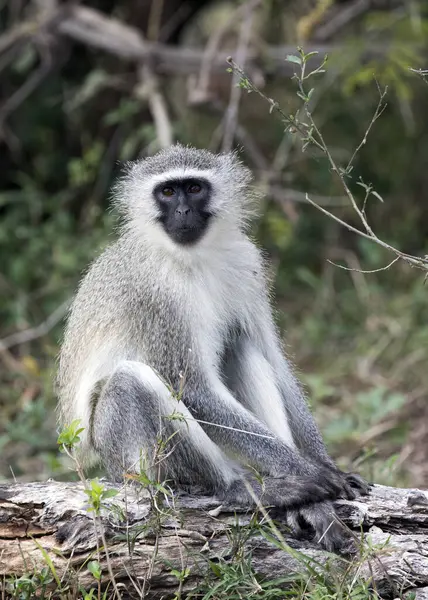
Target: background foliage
x=358, y=339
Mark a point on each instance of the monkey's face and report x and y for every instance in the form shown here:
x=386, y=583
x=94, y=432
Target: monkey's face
x=185, y=199
x=184, y=206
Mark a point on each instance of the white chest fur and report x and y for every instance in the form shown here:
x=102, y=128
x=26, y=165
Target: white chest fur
x=222, y=296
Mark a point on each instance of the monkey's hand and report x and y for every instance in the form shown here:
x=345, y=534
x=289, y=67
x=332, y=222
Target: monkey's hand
x=351, y=485
x=287, y=491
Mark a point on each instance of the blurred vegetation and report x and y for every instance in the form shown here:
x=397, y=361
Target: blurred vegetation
x=358, y=339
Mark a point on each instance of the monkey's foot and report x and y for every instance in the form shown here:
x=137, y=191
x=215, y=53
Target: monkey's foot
x=318, y=522
x=355, y=485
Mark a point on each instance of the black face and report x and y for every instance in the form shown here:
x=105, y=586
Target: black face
x=184, y=205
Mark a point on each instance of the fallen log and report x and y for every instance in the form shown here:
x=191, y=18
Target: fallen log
x=160, y=549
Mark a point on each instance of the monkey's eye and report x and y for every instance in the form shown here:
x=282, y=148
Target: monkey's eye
x=168, y=191
x=194, y=188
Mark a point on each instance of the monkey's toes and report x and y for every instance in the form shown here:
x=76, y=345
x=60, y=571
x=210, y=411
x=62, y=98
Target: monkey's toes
x=319, y=524
x=358, y=485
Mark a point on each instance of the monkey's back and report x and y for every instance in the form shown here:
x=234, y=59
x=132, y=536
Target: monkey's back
x=98, y=327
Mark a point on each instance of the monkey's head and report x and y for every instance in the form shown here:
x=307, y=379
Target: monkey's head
x=185, y=195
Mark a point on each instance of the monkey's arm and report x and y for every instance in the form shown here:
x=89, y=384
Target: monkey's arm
x=265, y=345
x=305, y=430
x=240, y=433
x=308, y=436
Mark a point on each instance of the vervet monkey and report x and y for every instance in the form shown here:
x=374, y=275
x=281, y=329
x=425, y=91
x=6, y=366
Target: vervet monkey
x=174, y=319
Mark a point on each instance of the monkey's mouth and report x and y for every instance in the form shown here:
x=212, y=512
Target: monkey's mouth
x=187, y=234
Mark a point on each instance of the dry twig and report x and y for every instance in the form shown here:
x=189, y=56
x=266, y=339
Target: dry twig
x=231, y=116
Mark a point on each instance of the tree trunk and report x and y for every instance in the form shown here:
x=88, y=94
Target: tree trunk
x=48, y=524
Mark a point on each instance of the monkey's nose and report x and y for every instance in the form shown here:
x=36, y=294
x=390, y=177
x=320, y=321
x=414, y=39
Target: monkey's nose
x=182, y=211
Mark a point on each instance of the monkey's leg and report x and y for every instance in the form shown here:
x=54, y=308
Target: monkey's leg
x=262, y=381
x=136, y=416
x=307, y=435
x=254, y=383
x=237, y=431
x=135, y=411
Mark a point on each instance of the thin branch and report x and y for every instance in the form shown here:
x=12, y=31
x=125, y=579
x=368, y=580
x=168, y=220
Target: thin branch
x=210, y=54
x=340, y=175
x=422, y=73
x=46, y=19
x=180, y=16
x=231, y=116
x=155, y=18
x=378, y=112
x=21, y=337
x=338, y=220
x=26, y=89
x=361, y=270
x=261, y=435
x=344, y=15
x=149, y=88
x=420, y=262
x=18, y=34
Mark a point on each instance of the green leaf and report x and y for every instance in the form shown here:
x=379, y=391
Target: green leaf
x=310, y=54
x=376, y=195
x=69, y=436
x=293, y=59
x=110, y=494
x=94, y=567
x=96, y=486
x=215, y=569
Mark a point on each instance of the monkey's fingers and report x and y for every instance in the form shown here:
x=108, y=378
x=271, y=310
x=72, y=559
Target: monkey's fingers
x=293, y=491
x=347, y=485
x=286, y=492
x=334, y=480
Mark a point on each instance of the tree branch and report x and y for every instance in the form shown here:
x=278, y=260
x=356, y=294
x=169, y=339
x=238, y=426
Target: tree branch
x=21, y=337
x=48, y=525
x=97, y=30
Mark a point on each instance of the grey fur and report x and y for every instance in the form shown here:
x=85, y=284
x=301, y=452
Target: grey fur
x=150, y=316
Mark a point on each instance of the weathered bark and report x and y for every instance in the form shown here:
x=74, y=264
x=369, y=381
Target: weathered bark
x=145, y=544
